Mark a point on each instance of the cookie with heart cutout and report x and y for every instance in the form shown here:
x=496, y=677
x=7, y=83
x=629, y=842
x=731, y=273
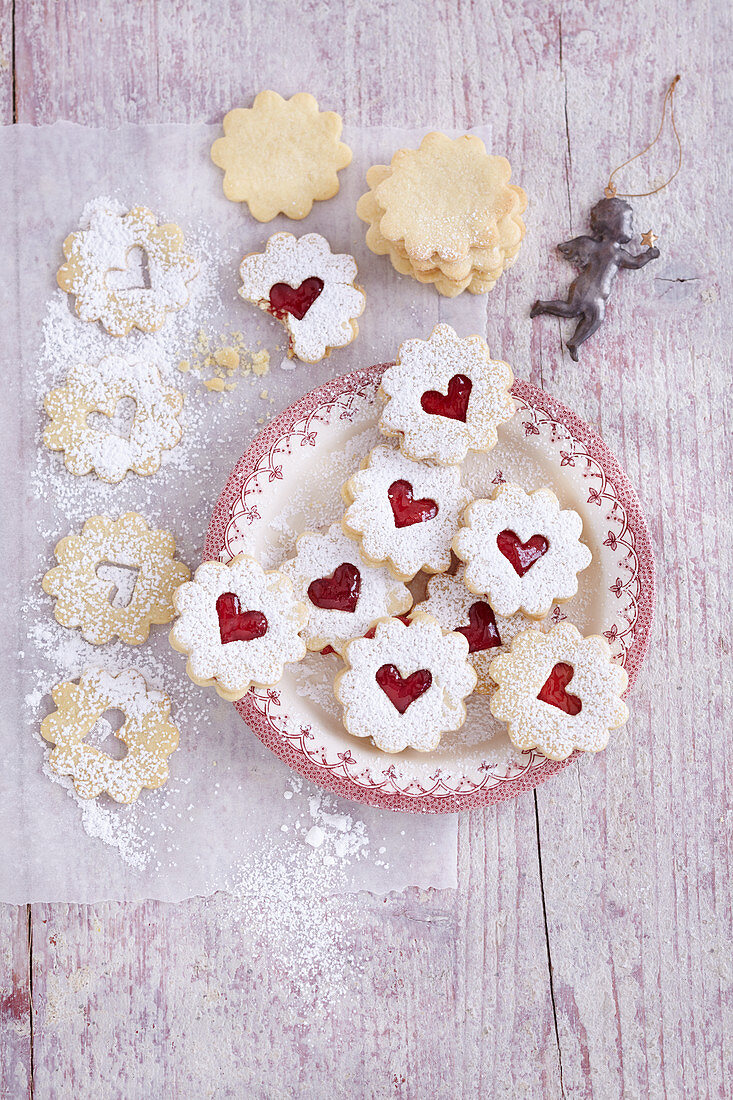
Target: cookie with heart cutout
x=521, y=550
x=445, y=396
x=307, y=287
x=238, y=625
x=404, y=514
x=344, y=595
x=458, y=609
x=559, y=692
x=98, y=270
x=406, y=686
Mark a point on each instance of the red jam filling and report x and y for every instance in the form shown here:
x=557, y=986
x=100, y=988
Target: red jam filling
x=236, y=625
x=522, y=555
x=405, y=509
x=554, y=693
x=295, y=300
x=340, y=591
x=454, y=403
x=403, y=690
x=482, y=631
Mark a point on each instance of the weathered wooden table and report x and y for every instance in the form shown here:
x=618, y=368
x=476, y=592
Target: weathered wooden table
x=587, y=950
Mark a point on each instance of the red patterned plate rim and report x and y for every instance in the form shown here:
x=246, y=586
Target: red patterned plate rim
x=325, y=775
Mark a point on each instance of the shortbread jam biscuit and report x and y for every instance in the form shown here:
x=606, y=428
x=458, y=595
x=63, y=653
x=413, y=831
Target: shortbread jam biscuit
x=344, y=595
x=307, y=287
x=238, y=625
x=115, y=579
x=99, y=271
x=97, y=391
x=404, y=513
x=521, y=550
x=281, y=155
x=559, y=692
x=458, y=609
x=147, y=733
x=445, y=397
x=406, y=686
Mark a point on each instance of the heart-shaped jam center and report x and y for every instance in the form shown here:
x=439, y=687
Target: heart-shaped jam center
x=553, y=690
x=403, y=690
x=482, y=631
x=295, y=300
x=340, y=591
x=405, y=509
x=134, y=276
x=454, y=403
x=236, y=625
x=522, y=555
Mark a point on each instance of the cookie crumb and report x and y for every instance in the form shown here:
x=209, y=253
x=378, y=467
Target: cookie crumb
x=216, y=384
x=227, y=357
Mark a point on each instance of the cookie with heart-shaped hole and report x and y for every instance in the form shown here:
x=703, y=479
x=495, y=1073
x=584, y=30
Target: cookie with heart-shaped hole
x=100, y=270
x=445, y=396
x=405, y=686
x=238, y=625
x=559, y=692
x=345, y=596
x=521, y=550
x=310, y=289
x=404, y=513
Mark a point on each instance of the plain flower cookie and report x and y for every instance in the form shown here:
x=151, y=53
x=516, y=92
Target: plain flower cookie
x=559, y=692
x=344, y=595
x=98, y=270
x=238, y=625
x=281, y=155
x=307, y=287
x=108, y=561
x=462, y=611
x=147, y=732
x=404, y=513
x=445, y=397
x=406, y=686
x=521, y=550
x=99, y=389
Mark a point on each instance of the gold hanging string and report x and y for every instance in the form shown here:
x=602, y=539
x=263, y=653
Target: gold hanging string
x=611, y=192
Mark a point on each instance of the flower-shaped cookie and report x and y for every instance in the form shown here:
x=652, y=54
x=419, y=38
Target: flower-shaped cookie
x=404, y=513
x=344, y=595
x=307, y=287
x=521, y=550
x=457, y=609
x=239, y=625
x=148, y=733
x=98, y=390
x=97, y=270
x=281, y=155
x=446, y=198
x=96, y=567
x=445, y=397
x=559, y=691
x=405, y=686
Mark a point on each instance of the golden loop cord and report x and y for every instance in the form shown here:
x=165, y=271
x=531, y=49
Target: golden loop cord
x=611, y=192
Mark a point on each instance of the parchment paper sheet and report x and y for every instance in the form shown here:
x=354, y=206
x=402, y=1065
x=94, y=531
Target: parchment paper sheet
x=230, y=809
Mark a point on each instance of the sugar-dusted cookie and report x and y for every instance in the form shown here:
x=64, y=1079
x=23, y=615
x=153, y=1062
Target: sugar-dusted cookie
x=307, y=287
x=460, y=610
x=404, y=513
x=445, y=396
x=239, y=626
x=94, y=568
x=559, y=691
x=406, y=686
x=281, y=155
x=97, y=270
x=521, y=550
x=98, y=389
x=344, y=595
x=148, y=733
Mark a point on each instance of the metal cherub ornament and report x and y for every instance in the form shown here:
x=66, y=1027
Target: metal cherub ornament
x=601, y=255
